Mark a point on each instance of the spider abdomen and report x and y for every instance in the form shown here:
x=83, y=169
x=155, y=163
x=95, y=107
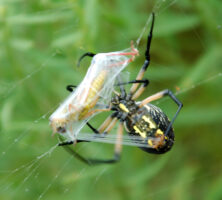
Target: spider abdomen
x=150, y=123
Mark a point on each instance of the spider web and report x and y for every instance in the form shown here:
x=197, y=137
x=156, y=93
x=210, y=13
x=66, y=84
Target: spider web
x=17, y=179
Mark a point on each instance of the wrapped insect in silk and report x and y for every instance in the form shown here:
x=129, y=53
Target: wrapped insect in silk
x=96, y=87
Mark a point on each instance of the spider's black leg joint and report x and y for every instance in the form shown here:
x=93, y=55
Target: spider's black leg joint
x=144, y=81
x=89, y=161
x=65, y=143
x=90, y=54
x=180, y=105
x=76, y=155
x=92, y=128
x=117, y=152
x=115, y=159
x=70, y=87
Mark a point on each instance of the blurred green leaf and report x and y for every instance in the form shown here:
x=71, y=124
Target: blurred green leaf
x=146, y=173
x=67, y=40
x=205, y=65
x=181, y=185
x=38, y=18
x=215, y=191
x=170, y=24
x=22, y=44
x=196, y=116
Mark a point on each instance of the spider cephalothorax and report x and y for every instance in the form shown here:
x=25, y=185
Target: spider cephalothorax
x=124, y=105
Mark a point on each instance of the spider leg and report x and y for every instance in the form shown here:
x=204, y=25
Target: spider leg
x=111, y=125
x=147, y=58
x=160, y=95
x=145, y=81
x=65, y=143
x=139, y=91
x=117, y=150
x=90, y=54
x=106, y=123
x=104, y=127
x=90, y=113
x=107, y=126
x=76, y=155
x=92, y=128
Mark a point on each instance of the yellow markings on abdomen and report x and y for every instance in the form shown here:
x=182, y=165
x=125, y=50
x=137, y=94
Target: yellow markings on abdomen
x=150, y=142
x=151, y=123
x=137, y=130
x=159, y=132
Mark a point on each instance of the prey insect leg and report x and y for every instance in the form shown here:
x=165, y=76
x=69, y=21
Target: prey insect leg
x=70, y=87
x=90, y=54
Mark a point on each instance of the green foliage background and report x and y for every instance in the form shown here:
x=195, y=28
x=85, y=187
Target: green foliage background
x=40, y=43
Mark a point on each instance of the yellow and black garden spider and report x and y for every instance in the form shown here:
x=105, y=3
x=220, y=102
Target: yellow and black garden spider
x=140, y=119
